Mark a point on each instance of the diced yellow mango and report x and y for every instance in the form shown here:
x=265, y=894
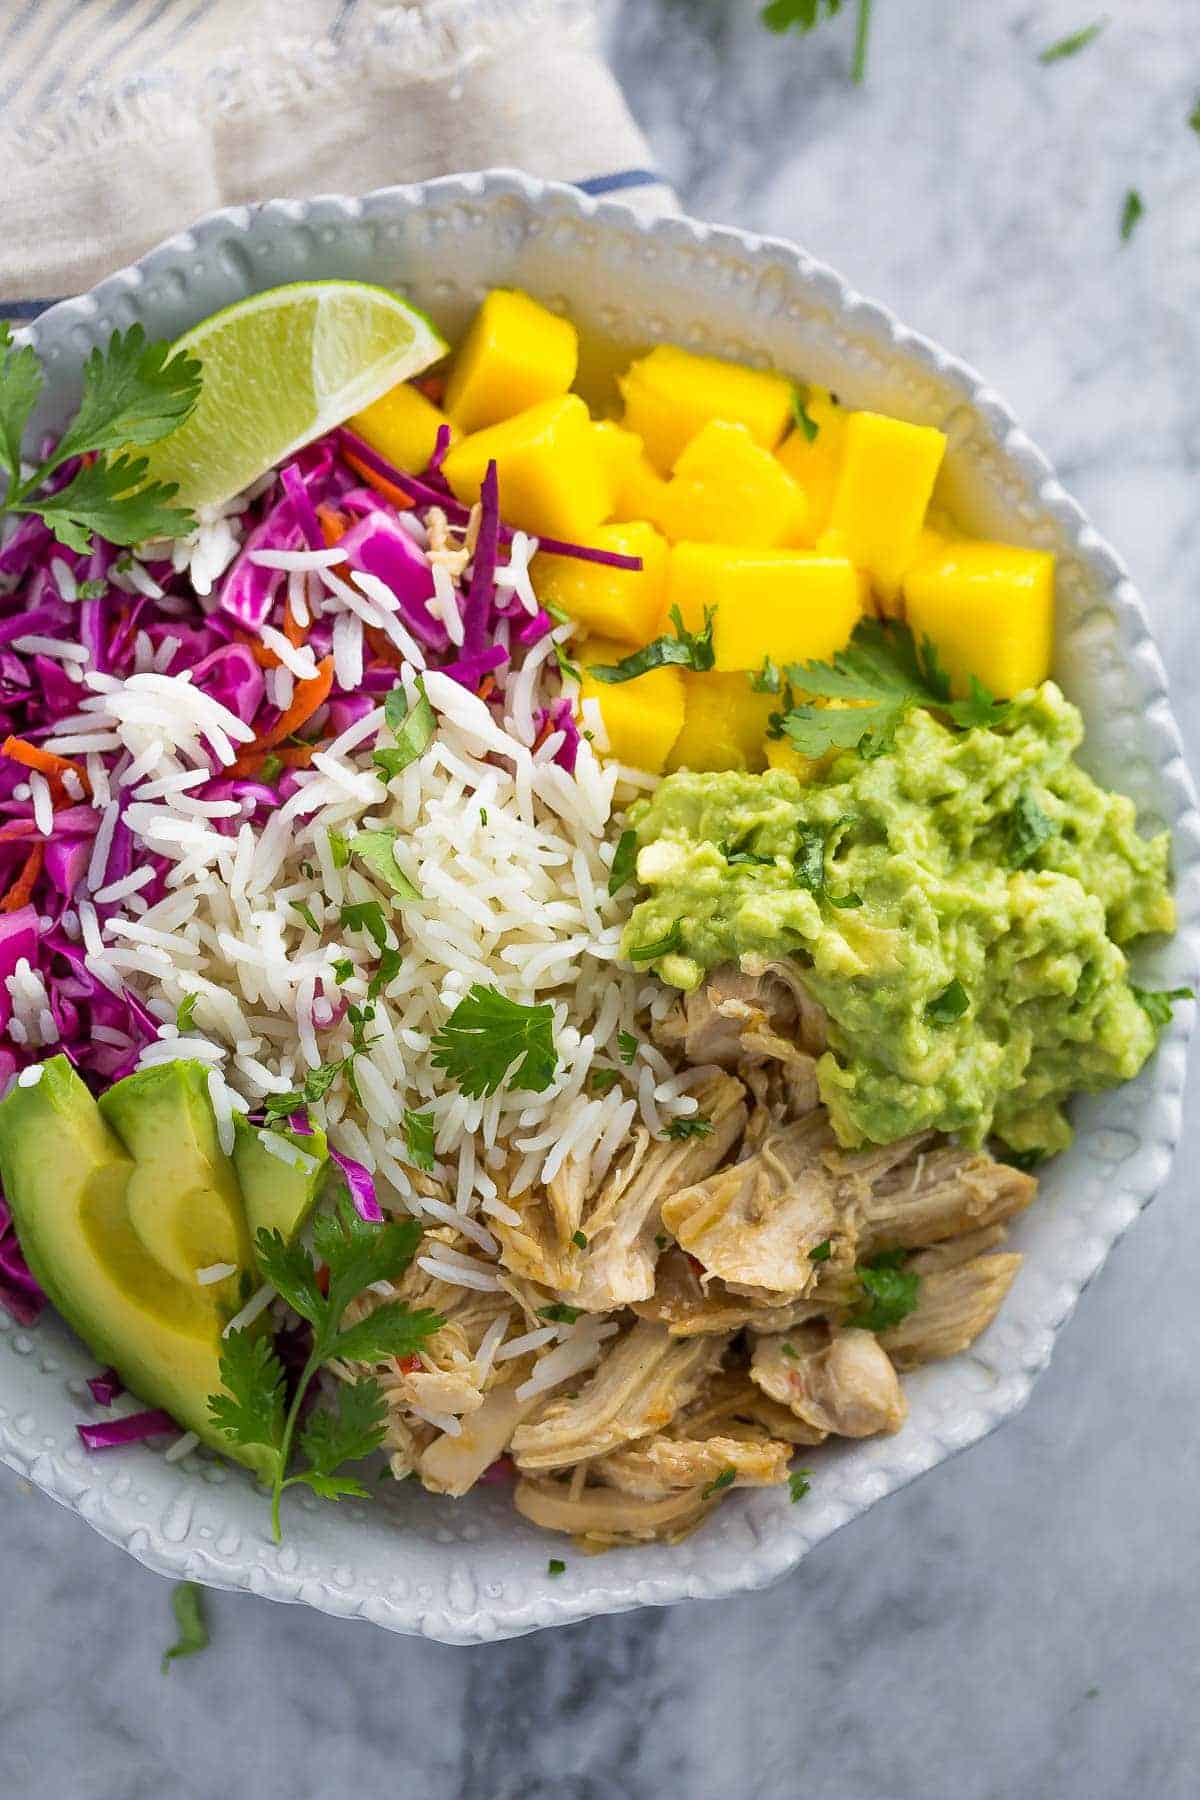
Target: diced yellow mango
x=618, y=603
x=403, y=426
x=887, y=475
x=783, y=754
x=640, y=495
x=671, y=393
x=552, y=481
x=727, y=489
x=989, y=608
x=515, y=355
x=790, y=605
x=816, y=462
x=620, y=452
x=724, y=724
x=642, y=718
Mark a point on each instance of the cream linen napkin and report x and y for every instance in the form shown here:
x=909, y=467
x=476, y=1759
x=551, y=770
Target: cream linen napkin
x=121, y=121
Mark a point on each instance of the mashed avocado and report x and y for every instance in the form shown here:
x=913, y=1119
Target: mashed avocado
x=956, y=905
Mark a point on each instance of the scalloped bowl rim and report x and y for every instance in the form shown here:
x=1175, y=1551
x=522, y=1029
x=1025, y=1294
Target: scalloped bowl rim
x=752, y=1541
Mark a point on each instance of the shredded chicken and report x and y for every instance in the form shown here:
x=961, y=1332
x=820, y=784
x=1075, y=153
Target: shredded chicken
x=690, y=1303
x=452, y=1465
x=954, y=1304
x=841, y=1381
x=757, y=1223
x=659, y=1466
x=641, y=1383
x=932, y=1192
x=602, y=1518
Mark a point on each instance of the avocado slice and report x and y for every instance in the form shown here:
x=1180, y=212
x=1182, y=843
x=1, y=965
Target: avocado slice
x=183, y=1197
x=68, y=1177
x=276, y=1196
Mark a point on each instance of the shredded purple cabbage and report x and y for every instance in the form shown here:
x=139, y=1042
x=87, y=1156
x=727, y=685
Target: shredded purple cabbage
x=113, y=1432
x=361, y=1183
x=20, y=1294
x=105, y=1387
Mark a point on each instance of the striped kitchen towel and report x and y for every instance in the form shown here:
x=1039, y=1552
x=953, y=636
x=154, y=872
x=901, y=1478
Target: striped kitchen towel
x=121, y=121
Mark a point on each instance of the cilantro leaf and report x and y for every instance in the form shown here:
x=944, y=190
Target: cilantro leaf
x=111, y=497
x=377, y=849
x=799, y=1484
x=348, y=1434
x=1072, y=44
x=1022, y=1159
x=306, y=913
x=134, y=392
x=187, y=1603
x=419, y=1132
x=393, y=1329
x=1132, y=209
x=560, y=1313
x=339, y=850
x=694, y=1126
x=809, y=865
x=579, y=1240
x=719, y=1483
x=980, y=708
x=487, y=1034
x=366, y=915
x=357, y=1253
x=1194, y=118
x=94, y=590
x=800, y=413
x=602, y=1081
x=556, y=1566
x=821, y=1252
x=624, y=862
x=889, y=1292
x=949, y=1005
x=185, y=1013
x=768, y=679
x=1156, y=1002
x=1027, y=829
x=289, y=1269
x=20, y=387
x=250, y=1409
x=806, y=15
x=412, y=727
x=670, y=941
x=687, y=649
x=627, y=1047
x=388, y=969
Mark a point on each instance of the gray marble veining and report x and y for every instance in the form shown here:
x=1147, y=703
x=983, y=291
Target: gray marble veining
x=1026, y=1620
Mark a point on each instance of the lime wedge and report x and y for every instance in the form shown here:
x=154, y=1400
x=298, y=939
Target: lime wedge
x=279, y=369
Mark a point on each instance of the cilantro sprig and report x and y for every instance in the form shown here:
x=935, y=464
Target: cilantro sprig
x=1156, y=1003
x=489, y=1037
x=187, y=1603
x=134, y=393
x=880, y=677
x=806, y=15
x=889, y=1292
x=253, y=1408
x=685, y=649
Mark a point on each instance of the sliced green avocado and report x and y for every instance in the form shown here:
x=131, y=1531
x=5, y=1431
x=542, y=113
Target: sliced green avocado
x=68, y=1178
x=183, y=1198
x=278, y=1197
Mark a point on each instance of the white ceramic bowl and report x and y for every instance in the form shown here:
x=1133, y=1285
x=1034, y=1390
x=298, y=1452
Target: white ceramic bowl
x=471, y=1571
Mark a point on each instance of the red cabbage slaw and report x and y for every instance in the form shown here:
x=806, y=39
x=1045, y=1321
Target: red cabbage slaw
x=334, y=491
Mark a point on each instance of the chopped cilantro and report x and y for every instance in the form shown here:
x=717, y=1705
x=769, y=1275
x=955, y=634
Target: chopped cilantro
x=487, y=1034
x=483, y=815
x=718, y=1483
x=1132, y=209
x=889, y=1292
x=670, y=941
x=1027, y=829
x=627, y=1047
x=566, y=667
x=1156, y=1002
x=661, y=1240
x=556, y=1566
x=790, y=1351
x=377, y=849
x=602, y=1081
x=339, y=850
x=306, y=913
x=91, y=590
x=696, y=1126
x=799, y=1484
x=418, y=1138
x=822, y=1252
x=366, y=915
x=343, y=969
x=624, y=862
x=812, y=845
x=1021, y=1159
x=579, y=1240
x=187, y=1603
x=800, y=413
x=1073, y=43
x=768, y=680
x=185, y=1013
x=949, y=1005
x=687, y=649
x=412, y=727
x=560, y=1313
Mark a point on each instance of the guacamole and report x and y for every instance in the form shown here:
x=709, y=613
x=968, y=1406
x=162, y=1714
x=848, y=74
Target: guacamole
x=956, y=905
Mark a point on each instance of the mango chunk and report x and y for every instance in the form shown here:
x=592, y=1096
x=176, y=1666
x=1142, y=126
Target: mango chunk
x=724, y=724
x=552, y=481
x=641, y=493
x=617, y=603
x=783, y=754
x=403, y=426
x=515, y=355
x=989, y=608
x=620, y=452
x=887, y=476
x=671, y=393
x=790, y=605
x=816, y=462
x=727, y=489
x=642, y=718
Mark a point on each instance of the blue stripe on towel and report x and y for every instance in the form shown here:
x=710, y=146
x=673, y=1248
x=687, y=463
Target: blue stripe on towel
x=24, y=309
x=621, y=179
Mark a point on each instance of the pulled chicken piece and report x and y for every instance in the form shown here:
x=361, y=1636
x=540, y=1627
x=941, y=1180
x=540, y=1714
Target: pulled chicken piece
x=602, y=1518
x=642, y=1381
x=755, y=1224
x=928, y=1194
x=716, y=1022
x=452, y=1465
x=623, y=1220
x=955, y=1303
x=732, y=1406
x=692, y=1304
x=659, y=1466
x=841, y=1382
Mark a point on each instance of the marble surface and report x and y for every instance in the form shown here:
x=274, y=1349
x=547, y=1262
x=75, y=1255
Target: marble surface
x=1025, y=1620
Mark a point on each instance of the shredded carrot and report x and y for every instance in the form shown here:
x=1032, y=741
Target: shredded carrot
x=250, y=766
x=20, y=892
x=399, y=499
x=544, y=733
x=264, y=657
x=487, y=687
x=308, y=697
x=410, y=1364
x=46, y=763
x=293, y=631
x=382, y=647
x=333, y=525
x=433, y=387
